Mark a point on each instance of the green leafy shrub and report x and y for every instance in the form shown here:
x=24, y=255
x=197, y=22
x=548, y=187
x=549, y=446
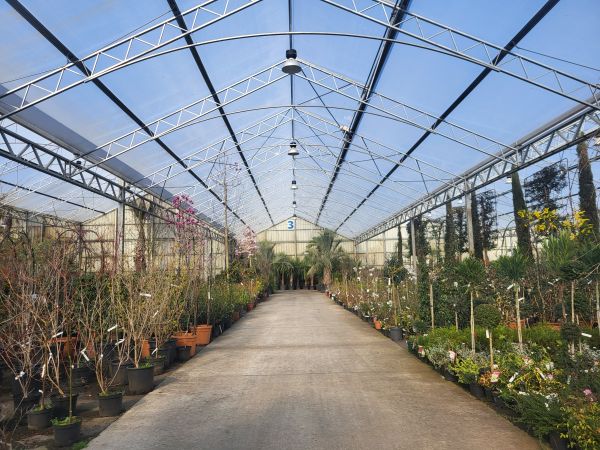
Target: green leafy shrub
x=542, y=414
x=570, y=331
x=582, y=421
x=468, y=366
x=487, y=316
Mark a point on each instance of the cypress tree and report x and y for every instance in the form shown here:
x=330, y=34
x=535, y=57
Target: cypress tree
x=477, y=241
x=449, y=235
x=523, y=237
x=399, y=246
x=587, y=191
x=487, y=221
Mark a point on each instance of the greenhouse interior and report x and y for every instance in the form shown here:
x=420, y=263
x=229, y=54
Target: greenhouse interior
x=299, y=224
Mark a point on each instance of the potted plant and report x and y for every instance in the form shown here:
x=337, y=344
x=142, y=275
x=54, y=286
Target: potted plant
x=467, y=369
x=99, y=330
x=204, y=331
x=137, y=312
x=166, y=295
x=488, y=317
x=513, y=269
x=471, y=273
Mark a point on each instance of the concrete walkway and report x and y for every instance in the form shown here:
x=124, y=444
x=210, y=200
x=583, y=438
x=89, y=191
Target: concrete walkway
x=300, y=372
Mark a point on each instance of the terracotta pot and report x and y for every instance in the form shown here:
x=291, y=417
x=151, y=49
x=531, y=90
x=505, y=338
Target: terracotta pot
x=250, y=306
x=185, y=339
x=145, y=348
x=203, y=334
x=377, y=325
x=236, y=316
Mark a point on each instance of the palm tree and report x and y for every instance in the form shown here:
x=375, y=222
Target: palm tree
x=513, y=269
x=282, y=265
x=471, y=275
x=559, y=254
x=324, y=252
x=264, y=259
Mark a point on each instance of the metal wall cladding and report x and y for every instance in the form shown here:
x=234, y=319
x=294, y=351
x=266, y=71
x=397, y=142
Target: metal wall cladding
x=295, y=242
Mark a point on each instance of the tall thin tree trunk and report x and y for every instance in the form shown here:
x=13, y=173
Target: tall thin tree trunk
x=491, y=352
x=472, y=325
x=573, y=301
x=431, y=304
x=597, y=307
x=518, y=310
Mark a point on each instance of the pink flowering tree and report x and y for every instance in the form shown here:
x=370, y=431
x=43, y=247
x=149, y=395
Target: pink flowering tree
x=247, y=245
x=187, y=228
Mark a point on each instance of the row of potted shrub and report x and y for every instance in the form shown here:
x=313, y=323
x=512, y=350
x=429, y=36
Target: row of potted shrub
x=119, y=331
x=542, y=386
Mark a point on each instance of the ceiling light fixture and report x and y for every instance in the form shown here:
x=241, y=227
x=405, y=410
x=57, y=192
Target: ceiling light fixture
x=293, y=150
x=291, y=66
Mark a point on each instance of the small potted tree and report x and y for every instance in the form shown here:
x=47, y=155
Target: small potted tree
x=99, y=332
x=137, y=312
x=471, y=274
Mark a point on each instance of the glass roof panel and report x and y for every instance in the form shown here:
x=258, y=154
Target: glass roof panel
x=242, y=55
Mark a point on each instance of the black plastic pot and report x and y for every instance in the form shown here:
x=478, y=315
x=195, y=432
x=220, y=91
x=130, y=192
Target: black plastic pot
x=141, y=380
x=488, y=394
x=39, y=420
x=119, y=373
x=396, y=334
x=476, y=390
x=159, y=364
x=81, y=376
x=110, y=405
x=66, y=435
x=216, y=331
x=171, y=344
x=449, y=376
x=165, y=353
x=183, y=353
x=60, y=406
x=556, y=442
x=227, y=323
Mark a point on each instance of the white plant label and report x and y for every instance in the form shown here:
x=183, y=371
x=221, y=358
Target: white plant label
x=587, y=335
x=85, y=355
x=60, y=333
x=155, y=350
x=143, y=294
x=114, y=327
x=120, y=341
x=487, y=333
x=510, y=287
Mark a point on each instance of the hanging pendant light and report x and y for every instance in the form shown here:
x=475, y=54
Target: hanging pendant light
x=293, y=150
x=291, y=66
x=294, y=185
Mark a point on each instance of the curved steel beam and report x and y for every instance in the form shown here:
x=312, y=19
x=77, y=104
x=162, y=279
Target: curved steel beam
x=438, y=35
x=117, y=54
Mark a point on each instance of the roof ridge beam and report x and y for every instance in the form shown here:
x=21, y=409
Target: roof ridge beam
x=376, y=70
